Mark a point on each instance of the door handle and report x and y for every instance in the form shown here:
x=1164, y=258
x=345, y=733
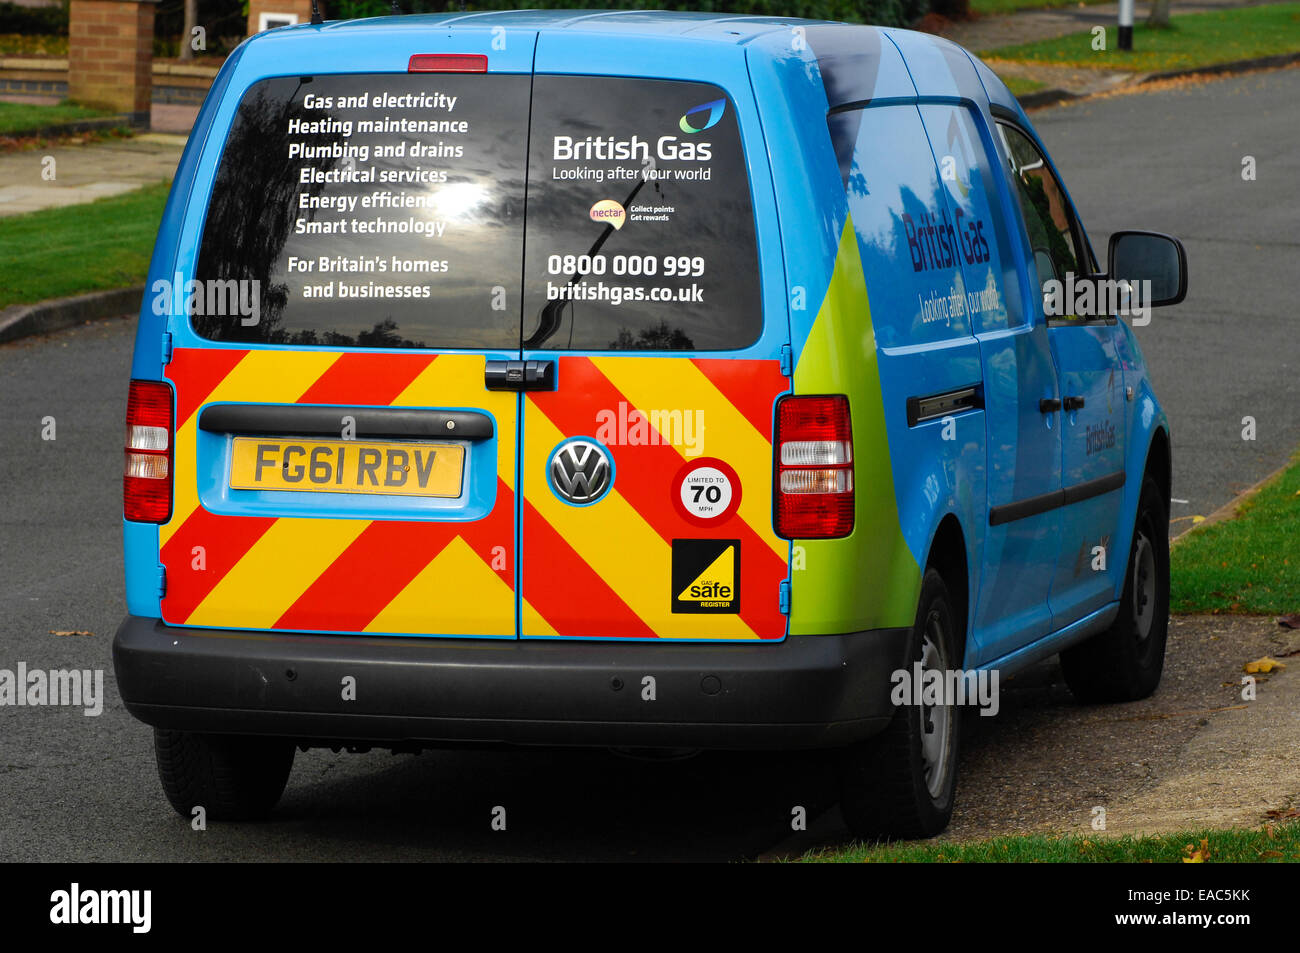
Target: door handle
x=1048, y=405
x=1074, y=403
x=519, y=375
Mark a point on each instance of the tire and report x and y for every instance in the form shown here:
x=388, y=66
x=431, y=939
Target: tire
x=1125, y=662
x=902, y=783
x=232, y=777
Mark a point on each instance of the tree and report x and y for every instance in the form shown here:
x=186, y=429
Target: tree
x=1159, y=16
x=187, y=34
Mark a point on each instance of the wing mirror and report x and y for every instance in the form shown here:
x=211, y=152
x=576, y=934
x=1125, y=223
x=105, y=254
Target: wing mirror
x=1136, y=257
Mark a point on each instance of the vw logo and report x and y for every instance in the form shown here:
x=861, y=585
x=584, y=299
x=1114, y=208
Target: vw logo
x=581, y=471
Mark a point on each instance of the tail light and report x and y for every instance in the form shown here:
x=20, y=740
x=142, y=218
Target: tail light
x=814, y=468
x=147, y=479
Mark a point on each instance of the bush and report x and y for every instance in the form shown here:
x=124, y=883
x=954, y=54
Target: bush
x=34, y=21
x=880, y=12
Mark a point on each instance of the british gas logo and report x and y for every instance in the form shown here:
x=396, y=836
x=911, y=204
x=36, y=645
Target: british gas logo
x=690, y=122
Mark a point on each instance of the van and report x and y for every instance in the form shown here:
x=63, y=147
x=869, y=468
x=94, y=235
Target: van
x=636, y=380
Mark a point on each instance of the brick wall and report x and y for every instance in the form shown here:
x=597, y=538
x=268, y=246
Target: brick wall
x=110, y=55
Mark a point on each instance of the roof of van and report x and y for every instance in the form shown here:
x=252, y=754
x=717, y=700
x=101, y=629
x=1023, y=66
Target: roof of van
x=857, y=62
x=739, y=29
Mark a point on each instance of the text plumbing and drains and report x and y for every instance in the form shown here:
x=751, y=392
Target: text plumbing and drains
x=55, y=688
x=78, y=906
x=932, y=687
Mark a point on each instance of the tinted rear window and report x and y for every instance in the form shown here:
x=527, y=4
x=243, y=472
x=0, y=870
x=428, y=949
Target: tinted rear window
x=389, y=210
x=375, y=210
x=664, y=158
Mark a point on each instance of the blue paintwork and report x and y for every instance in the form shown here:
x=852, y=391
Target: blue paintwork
x=807, y=177
x=140, y=560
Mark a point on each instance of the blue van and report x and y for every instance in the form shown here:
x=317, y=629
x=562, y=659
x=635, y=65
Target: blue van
x=636, y=380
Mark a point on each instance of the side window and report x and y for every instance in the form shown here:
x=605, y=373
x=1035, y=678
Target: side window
x=993, y=297
x=909, y=241
x=1054, y=236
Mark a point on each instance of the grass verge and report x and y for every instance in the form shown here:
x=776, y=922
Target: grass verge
x=1249, y=564
x=79, y=248
x=1019, y=85
x=19, y=117
x=1278, y=843
x=995, y=7
x=1193, y=40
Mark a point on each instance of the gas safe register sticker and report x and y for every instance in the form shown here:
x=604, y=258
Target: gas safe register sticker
x=706, y=576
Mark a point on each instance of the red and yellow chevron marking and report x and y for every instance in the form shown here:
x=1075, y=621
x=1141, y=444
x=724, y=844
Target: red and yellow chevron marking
x=604, y=570
x=398, y=576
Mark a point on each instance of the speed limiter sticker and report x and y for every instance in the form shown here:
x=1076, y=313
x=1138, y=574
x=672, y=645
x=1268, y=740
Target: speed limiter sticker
x=706, y=492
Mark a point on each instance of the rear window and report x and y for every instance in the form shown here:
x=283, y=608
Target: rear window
x=375, y=211
x=393, y=210
x=640, y=226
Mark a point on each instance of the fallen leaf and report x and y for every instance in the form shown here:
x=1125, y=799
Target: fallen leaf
x=1263, y=665
x=1279, y=814
x=71, y=632
x=1291, y=621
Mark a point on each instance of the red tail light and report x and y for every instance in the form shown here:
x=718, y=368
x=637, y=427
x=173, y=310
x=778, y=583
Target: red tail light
x=147, y=479
x=814, y=468
x=447, y=63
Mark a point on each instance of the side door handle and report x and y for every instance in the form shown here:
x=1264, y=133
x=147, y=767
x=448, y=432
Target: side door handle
x=519, y=375
x=1048, y=405
x=1074, y=403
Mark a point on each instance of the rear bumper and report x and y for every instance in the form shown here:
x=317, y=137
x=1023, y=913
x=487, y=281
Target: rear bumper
x=807, y=691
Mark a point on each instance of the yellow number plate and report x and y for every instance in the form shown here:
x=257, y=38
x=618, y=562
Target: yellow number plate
x=347, y=466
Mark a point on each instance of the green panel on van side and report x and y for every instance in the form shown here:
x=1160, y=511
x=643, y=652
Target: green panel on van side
x=868, y=580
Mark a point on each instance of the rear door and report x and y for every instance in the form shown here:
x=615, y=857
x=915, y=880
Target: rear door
x=340, y=464
x=646, y=460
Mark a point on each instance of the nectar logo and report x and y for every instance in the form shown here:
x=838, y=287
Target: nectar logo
x=609, y=212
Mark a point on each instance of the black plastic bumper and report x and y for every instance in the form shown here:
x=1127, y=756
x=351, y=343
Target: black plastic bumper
x=807, y=691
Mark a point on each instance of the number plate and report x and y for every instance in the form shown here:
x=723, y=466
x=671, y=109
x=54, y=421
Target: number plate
x=347, y=466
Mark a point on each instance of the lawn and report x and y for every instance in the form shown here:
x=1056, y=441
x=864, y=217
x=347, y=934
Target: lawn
x=21, y=117
x=1199, y=39
x=1019, y=85
x=1248, y=564
x=993, y=7
x=92, y=247
x=1278, y=843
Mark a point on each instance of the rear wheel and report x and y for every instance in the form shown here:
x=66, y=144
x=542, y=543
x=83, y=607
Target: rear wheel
x=1125, y=662
x=902, y=782
x=232, y=777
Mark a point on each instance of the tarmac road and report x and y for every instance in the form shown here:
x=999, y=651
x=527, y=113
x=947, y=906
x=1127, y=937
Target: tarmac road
x=83, y=788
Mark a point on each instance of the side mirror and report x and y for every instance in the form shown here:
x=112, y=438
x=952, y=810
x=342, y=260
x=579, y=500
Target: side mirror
x=1136, y=256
